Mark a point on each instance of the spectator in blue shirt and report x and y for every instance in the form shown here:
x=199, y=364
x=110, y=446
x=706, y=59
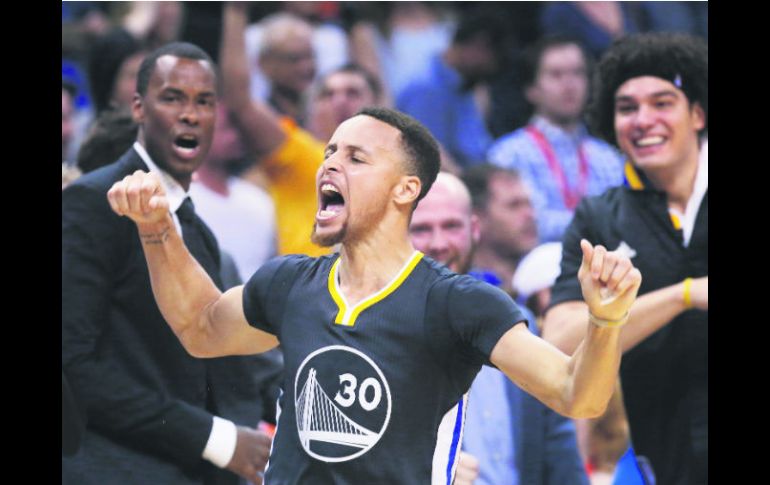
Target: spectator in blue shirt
x=443, y=99
x=554, y=153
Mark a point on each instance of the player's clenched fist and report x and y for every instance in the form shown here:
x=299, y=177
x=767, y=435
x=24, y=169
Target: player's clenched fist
x=609, y=282
x=140, y=197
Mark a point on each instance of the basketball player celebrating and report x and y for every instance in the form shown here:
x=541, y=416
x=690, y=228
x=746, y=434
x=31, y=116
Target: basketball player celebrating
x=380, y=342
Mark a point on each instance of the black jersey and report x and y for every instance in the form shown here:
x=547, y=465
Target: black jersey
x=664, y=377
x=375, y=392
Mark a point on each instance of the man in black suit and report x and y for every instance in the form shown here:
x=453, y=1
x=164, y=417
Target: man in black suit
x=153, y=410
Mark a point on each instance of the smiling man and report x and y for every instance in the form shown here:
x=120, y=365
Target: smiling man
x=155, y=413
x=651, y=99
x=380, y=342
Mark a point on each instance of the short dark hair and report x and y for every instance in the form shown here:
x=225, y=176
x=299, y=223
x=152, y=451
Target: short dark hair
x=70, y=88
x=353, y=68
x=111, y=135
x=484, y=21
x=108, y=53
x=678, y=58
x=423, y=157
x=529, y=62
x=477, y=179
x=184, y=50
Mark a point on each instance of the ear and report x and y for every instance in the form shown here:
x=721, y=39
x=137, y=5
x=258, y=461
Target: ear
x=137, y=109
x=265, y=65
x=699, y=116
x=482, y=221
x=407, y=190
x=475, y=229
x=531, y=92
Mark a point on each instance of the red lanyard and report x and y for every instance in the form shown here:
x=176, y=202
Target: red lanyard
x=571, y=197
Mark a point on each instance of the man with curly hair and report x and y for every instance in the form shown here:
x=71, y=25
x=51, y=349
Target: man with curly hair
x=651, y=99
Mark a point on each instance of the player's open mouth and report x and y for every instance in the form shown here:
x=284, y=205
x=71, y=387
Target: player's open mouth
x=186, y=146
x=331, y=203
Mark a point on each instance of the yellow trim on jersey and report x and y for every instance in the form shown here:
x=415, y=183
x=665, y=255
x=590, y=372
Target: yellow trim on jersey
x=336, y=295
x=675, y=221
x=347, y=315
x=633, y=178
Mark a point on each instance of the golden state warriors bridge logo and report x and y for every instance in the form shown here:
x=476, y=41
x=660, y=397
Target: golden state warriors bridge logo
x=342, y=403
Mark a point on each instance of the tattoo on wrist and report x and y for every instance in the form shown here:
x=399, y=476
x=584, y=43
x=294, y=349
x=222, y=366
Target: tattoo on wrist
x=155, y=238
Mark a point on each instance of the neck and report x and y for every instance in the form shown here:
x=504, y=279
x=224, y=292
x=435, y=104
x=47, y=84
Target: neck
x=450, y=57
x=570, y=125
x=214, y=177
x=504, y=267
x=183, y=179
x=367, y=265
x=677, y=181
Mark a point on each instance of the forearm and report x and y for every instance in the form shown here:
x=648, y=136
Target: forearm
x=121, y=407
x=593, y=370
x=183, y=290
x=258, y=123
x=563, y=324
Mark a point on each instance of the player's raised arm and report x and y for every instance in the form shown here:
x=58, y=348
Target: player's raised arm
x=207, y=322
x=579, y=386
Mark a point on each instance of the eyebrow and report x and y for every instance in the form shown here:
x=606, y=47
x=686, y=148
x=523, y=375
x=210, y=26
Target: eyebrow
x=173, y=90
x=656, y=94
x=355, y=148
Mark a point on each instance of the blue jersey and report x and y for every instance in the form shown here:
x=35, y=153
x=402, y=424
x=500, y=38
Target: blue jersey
x=374, y=392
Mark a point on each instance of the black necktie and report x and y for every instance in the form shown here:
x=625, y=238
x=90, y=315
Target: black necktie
x=200, y=244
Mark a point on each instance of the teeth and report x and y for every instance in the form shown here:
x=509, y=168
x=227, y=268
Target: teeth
x=650, y=140
x=329, y=188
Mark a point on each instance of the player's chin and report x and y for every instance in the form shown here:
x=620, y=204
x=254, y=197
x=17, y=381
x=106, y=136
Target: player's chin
x=326, y=237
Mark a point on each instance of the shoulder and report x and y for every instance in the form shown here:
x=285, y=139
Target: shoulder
x=610, y=199
x=102, y=178
x=282, y=273
x=295, y=263
x=509, y=145
x=477, y=292
x=437, y=273
x=597, y=217
x=88, y=194
x=456, y=289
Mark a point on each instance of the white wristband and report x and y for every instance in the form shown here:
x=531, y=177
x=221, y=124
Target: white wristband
x=221, y=445
x=600, y=322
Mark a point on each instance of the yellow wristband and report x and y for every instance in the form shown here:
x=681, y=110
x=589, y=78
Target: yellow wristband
x=687, y=293
x=600, y=322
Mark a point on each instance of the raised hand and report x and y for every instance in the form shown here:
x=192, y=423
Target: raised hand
x=608, y=280
x=140, y=197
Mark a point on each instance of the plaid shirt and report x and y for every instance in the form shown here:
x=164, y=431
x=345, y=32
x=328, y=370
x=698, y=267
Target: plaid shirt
x=519, y=151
